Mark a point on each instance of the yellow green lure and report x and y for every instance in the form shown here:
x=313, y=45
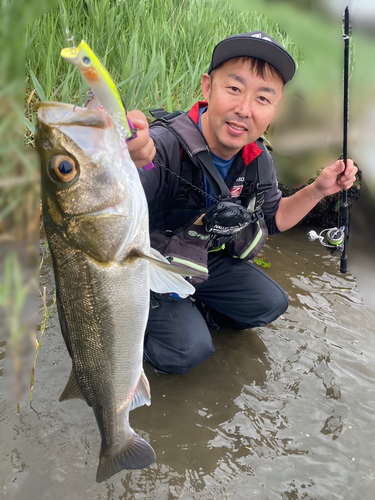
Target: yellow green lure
x=100, y=83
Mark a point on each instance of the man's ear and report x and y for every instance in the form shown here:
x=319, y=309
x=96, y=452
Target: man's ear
x=206, y=86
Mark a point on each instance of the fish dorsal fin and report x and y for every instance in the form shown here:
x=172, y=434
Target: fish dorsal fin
x=72, y=389
x=166, y=277
x=142, y=393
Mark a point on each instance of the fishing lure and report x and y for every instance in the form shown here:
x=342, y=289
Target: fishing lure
x=100, y=83
x=103, y=87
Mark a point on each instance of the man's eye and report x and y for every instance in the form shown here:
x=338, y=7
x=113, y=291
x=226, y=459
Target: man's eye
x=235, y=89
x=264, y=99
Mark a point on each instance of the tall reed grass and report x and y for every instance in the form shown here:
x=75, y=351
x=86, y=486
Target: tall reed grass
x=155, y=50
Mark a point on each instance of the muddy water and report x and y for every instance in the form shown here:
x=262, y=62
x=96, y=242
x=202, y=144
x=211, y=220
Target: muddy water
x=280, y=412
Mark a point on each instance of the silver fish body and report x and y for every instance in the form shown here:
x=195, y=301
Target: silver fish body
x=96, y=220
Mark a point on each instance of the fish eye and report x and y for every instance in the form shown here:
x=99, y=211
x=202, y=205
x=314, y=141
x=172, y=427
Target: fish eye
x=63, y=168
x=86, y=60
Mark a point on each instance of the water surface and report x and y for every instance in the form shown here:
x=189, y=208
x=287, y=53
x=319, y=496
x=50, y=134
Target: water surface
x=280, y=412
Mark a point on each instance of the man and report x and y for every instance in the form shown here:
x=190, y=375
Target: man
x=242, y=88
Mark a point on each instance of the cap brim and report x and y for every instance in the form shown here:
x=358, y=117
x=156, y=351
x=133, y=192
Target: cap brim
x=259, y=48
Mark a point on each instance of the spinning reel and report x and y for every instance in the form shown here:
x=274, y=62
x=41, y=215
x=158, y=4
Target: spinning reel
x=333, y=240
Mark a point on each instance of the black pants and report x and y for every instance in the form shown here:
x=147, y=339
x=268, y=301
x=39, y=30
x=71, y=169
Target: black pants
x=177, y=336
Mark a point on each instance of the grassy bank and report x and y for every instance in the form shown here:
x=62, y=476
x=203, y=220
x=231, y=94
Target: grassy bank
x=155, y=50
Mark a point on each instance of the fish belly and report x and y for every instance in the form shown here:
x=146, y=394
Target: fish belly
x=103, y=311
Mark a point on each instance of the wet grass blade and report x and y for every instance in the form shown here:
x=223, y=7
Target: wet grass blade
x=29, y=125
x=38, y=88
x=46, y=315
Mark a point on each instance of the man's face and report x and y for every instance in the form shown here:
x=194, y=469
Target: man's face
x=240, y=106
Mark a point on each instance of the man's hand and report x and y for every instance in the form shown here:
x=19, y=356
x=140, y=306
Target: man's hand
x=331, y=179
x=141, y=149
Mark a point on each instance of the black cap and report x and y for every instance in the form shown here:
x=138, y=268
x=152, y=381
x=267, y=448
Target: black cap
x=255, y=44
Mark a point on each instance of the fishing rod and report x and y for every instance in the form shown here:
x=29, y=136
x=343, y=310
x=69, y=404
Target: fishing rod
x=344, y=212
x=335, y=238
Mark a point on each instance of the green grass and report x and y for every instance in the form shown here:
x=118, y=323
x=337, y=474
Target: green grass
x=155, y=50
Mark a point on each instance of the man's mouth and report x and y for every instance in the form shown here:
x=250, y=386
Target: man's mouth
x=237, y=127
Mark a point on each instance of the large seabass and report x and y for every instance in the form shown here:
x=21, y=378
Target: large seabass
x=96, y=220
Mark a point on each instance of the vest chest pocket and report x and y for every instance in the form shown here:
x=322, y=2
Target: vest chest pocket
x=249, y=242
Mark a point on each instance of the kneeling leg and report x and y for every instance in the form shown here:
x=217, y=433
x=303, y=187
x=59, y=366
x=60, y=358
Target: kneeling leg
x=177, y=338
x=241, y=291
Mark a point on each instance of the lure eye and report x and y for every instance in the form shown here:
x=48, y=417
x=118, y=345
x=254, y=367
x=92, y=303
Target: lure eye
x=63, y=168
x=86, y=60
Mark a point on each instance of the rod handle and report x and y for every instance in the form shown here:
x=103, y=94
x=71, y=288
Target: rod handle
x=344, y=264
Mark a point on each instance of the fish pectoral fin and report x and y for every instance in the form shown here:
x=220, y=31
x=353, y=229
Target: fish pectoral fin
x=159, y=260
x=136, y=454
x=166, y=277
x=142, y=394
x=72, y=389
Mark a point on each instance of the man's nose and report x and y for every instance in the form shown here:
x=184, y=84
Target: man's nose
x=244, y=109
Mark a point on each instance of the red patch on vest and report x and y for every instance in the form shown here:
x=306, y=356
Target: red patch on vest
x=236, y=191
x=250, y=152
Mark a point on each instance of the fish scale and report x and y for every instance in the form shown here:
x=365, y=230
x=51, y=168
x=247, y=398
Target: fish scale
x=102, y=336
x=102, y=297
x=96, y=219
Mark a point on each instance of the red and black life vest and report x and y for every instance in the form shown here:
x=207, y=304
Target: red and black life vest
x=179, y=233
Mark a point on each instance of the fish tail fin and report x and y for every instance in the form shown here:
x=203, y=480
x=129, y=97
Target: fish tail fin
x=137, y=454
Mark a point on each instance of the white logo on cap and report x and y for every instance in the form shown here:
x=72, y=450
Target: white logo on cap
x=259, y=35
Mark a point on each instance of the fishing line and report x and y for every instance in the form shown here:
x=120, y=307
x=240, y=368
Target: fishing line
x=200, y=191
x=195, y=188
x=65, y=26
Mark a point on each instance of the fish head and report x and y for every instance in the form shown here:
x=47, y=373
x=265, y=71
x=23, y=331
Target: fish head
x=91, y=192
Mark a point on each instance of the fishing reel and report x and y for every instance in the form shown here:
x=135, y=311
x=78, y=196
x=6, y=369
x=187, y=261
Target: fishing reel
x=333, y=240
x=226, y=218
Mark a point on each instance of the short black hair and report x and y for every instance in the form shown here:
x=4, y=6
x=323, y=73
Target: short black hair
x=260, y=67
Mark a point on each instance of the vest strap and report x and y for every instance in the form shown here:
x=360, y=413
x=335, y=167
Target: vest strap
x=193, y=142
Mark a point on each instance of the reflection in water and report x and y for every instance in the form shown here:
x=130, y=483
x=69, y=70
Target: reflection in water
x=280, y=412
x=332, y=426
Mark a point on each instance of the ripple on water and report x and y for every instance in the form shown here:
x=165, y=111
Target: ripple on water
x=281, y=412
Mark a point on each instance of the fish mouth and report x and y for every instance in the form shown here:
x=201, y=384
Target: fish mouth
x=54, y=114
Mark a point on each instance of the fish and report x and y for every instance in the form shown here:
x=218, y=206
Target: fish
x=95, y=216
